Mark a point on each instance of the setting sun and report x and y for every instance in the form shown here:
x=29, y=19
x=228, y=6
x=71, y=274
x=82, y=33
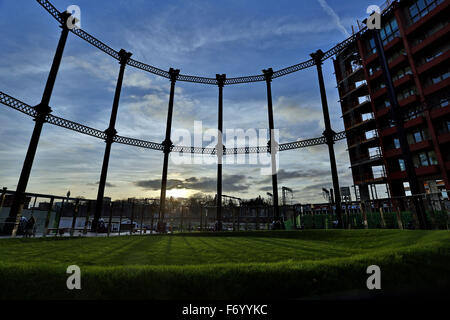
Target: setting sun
x=178, y=193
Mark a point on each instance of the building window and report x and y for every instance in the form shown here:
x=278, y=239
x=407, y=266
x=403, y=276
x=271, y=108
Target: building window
x=425, y=159
x=444, y=127
x=389, y=31
x=421, y=8
x=437, y=77
x=417, y=136
x=402, y=165
x=371, y=48
x=432, y=158
x=367, y=116
x=397, y=143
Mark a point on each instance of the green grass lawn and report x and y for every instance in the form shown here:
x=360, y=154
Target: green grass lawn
x=285, y=264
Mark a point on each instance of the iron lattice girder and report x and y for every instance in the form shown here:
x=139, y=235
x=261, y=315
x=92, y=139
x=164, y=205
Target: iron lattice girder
x=189, y=78
x=17, y=104
x=139, y=143
x=74, y=126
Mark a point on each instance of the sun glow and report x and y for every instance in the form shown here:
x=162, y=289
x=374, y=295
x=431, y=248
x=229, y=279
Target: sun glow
x=178, y=193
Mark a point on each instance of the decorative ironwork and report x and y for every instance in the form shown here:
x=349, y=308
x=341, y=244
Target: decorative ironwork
x=139, y=143
x=11, y=102
x=74, y=126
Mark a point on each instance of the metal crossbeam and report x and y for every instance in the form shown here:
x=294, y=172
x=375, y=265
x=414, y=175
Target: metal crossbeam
x=17, y=104
x=74, y=126
x=189, y=78
x=139, y=143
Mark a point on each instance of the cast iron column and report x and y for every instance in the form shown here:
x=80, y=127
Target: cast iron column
x=329, y=135
x=110, y=134
x=167, y=143
x=220, y=150
x=273, y=148
x=43, y=109
x=396, y=115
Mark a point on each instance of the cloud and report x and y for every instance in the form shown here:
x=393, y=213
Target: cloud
x=333, y=14
x=230, y=183
x=108, y=184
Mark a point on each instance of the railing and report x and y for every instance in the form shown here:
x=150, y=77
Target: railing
x=73, y=216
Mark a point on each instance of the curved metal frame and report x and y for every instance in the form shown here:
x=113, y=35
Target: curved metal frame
x=18, y=105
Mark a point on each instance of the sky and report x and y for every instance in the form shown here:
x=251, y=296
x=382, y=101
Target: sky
x=199, y=37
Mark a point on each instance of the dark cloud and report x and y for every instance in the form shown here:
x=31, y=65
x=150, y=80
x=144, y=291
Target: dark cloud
x=109, y=185
x=284, y=175
x=230, y=183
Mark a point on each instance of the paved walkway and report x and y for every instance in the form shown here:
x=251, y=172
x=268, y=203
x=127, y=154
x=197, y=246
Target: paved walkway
x=80, y=234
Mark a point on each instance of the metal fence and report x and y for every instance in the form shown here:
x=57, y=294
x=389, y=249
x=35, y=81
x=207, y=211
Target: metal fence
x=66, y=216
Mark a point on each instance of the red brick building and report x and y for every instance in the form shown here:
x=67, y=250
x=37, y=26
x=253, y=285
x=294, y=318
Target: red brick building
x=415, y=35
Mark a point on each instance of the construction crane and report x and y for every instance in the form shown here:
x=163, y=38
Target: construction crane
x=230, y=197
x=284, y=191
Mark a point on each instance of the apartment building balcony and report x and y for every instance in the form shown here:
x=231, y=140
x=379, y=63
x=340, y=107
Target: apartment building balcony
x=437, y=87
x=408, y=100
x=403, y=80
x=364, y=103
x=365, y=142
x=439, y=112
x=359, y=91
x=357, y=74
x=433, y=63
x=421, y=171
x=440, y=9
x=420, y=146
x=370, y=159
x=414, y=122
x=369, y=178
x=387, y=48
x=430, y=40
x=388, y=131
x=397, y=84
x=428, y=170
x=359, y=125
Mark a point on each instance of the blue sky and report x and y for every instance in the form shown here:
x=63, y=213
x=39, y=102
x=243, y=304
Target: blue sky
x=202, y=37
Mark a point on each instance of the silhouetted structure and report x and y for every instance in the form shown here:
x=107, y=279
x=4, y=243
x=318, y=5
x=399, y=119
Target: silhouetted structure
x=393, y=86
